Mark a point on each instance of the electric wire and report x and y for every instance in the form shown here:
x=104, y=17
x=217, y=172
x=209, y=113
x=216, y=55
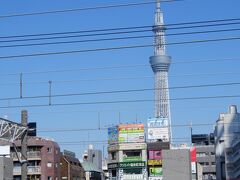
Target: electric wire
x=126, y=66
x=119, y=78
x=113, y=33
x=117, y=102
x=114, y=48
x=84, y=9
x=130, y=28
x=121, y=91
x=117, y=38
x=106, y=128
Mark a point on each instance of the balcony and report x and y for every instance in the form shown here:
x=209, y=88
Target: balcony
x=31, y=155
x=34, y=155
x=32, y=170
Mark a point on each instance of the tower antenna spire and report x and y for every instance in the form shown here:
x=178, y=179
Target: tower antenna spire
x=159, y=31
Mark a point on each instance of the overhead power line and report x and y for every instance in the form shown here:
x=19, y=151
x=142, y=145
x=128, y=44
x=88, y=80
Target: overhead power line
x=117, y=38
x=114, y=48
x=114, y=33
x=105, y=128
x=120, y=91
x=119, y=78
x=117, y=102
x=84, y=9
x=128, y=66
x=229, y=21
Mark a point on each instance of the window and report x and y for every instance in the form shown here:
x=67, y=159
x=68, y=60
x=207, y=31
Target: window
x=49, y=178
x=212, y=153
x=56, y=165
x=49, y=150
x=113, y=155
x=134, y=155
x=49, y=164
x=114, y=173
x=201, y=154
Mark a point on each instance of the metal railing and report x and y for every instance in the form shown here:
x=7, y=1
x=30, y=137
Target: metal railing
x=31, y=170
x=30, y=155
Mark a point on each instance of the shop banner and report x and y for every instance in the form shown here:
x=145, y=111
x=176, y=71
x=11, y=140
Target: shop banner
x=154, y=162
x=127, y=165
x=155, y=171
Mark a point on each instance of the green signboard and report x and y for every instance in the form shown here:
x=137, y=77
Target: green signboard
x=127, y=165
x=132, y=158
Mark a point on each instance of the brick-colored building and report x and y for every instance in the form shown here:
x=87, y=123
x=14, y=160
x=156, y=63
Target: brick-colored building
x=43, y=156
x=71, y=167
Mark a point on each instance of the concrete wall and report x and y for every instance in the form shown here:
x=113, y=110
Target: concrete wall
x=6, y=168
x=177, y=164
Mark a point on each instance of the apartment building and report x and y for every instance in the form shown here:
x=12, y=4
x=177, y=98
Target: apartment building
x=43, y=156
x=205, y=152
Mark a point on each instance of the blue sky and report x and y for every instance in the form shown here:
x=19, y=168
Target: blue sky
x=86, y=116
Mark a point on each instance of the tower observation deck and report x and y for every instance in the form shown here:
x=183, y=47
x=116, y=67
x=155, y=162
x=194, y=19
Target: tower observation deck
x=160, y=63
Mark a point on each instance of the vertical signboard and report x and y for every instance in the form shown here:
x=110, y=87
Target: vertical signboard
x=193, y=152
x=112, y=135
x=158, y=128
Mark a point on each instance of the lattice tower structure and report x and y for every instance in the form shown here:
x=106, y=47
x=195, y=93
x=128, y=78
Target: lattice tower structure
x=160, y=64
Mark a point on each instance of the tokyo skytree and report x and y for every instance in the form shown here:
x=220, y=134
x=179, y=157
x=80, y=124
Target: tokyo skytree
x=160, y=63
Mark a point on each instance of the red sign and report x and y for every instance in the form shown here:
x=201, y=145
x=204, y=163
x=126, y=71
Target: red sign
x=193, y=152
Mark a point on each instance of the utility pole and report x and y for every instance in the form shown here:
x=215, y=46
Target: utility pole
x=24, y=121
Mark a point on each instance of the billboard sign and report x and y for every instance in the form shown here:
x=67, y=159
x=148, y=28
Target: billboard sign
x=127, y=165
x=134, y=146
x=158, y=128
x=112, y=135
x=156, y=171
x=158, y=133
x=132, y=158
x=131, y=133
x=155, y=162
x=155, y=154
x=113, y=166
x=158, y=122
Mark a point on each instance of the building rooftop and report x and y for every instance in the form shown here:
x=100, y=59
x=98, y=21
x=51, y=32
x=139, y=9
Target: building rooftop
x=90, y=167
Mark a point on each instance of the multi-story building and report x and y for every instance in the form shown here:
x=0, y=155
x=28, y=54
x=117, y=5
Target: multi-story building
x=205, y=152
x=92, y=164
x=71, y=167
x=94, y=156
x=43, y=156
x=154, y=163
x=227, y=148
x=127, y=152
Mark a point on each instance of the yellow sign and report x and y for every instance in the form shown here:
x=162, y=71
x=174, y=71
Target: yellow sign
x=154, y=162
